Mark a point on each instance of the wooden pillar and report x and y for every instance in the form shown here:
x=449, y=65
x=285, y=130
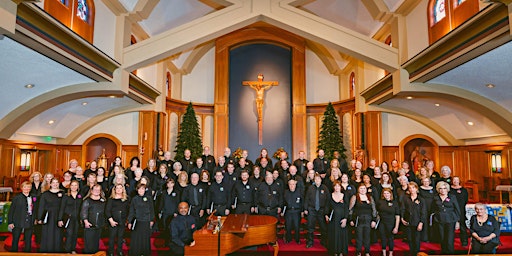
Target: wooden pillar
x=151, y=134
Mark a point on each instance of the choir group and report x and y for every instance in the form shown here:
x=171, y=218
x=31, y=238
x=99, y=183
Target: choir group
x=344, y=200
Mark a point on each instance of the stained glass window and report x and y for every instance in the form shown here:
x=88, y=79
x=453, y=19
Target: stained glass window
x=64, y=2
x=439, y=11
x=82, y=10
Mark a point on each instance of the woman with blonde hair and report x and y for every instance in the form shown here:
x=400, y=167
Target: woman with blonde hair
x=182, y=181
x=93, y=217
x=116, y=212
x=48, y=216
x=45, y=186
x=446, y=214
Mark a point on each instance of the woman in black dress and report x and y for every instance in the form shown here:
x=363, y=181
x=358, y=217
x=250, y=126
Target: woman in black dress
x=116, y=212
x=93, y=217
x=427, y=193
x=389, y=213
x=48, y=213
x=461, y=193
x=485, y=231
x=414, y=216
x=363, y=217
x=141, y=218
x=338, y=215
x=446, y=214
x=69, y=216
x=168, y=206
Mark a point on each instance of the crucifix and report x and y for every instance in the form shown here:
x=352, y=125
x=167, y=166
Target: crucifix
x=260, y=86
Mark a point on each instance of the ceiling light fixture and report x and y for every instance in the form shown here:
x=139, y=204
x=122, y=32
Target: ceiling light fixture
x=437, y=105
x=112, y=96
x=470, y=123
x=84, y=103
x=51, y=121
x=409, y=97
x=29, y=86
x=490, y=86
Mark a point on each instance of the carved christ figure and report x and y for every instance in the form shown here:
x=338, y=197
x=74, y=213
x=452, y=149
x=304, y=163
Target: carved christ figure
x=260, y=86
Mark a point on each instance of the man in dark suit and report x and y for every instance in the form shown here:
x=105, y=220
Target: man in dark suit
x=21, y=217
x=182, y=230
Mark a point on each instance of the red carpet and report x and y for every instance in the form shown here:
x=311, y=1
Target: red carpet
x=294, y=249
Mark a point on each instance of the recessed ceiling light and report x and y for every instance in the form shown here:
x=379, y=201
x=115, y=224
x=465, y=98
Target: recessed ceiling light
x=112, y=96
x=437, y=105
x=470, y=123
x=490, y=85
x=51, y=121
x=29, y=86
x=409, y=97
x=84, y=103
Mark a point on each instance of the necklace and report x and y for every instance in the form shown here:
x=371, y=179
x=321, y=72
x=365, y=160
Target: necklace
x=480, y=223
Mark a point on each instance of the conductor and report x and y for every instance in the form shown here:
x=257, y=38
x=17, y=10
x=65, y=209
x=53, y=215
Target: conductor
x=182, y=230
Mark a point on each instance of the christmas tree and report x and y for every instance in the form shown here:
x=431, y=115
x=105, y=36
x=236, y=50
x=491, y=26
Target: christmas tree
x=330, y=138
x=189, y=136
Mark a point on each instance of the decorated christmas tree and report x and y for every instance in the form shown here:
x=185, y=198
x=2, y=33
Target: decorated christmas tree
x=330, y=138
x=189, y=136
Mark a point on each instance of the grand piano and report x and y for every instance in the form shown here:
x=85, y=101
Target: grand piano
x=236, y=231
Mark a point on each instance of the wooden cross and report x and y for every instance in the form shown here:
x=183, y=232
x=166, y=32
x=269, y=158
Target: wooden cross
x=260, y=86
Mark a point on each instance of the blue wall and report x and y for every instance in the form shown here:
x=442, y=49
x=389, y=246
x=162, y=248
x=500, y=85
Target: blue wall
x=246, y=62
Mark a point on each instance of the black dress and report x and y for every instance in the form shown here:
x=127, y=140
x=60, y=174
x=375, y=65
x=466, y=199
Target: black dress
x=338, y=237
x=94, y=212
x=51, y=239
x=117, y=209
x=388, y=210
x=491, y=225
x=69, y=214
x=427, y=195
x=141, y=214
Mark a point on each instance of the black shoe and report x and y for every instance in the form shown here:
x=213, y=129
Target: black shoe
x=309, y=245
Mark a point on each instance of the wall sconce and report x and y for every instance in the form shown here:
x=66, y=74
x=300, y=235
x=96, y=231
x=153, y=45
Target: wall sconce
x=496, y=162
x=25, y=161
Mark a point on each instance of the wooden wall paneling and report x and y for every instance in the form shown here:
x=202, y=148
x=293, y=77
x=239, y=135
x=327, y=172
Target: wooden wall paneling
x=373, y=129
x=129, y=151
x=7, y=161
x=446, y=157
x=389, y=153
x=147, y=136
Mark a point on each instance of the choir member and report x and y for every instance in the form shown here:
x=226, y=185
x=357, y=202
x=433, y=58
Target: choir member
x=218, y=196
x=447, y=213
x=69, y=216
x=256, y=178
x=116, y=210
x=168, y=162
x=151, y=171
x=102, y=180
x=314, y=207
x=141, y=216
x=263, y=154
x=301, y=162
x=461, y=193
x=67, y=177
x=187, y=162
x=182, y=230
x=338, y=217
x=321, y=164
x=446, y=173
x=243, y=195
x=93, y=167
x=292, y=211
x=414, y=216
x=485, y=231
x=434, y=175
x=268, y=197
x=93, y=218
x=20, y=218
x=208, y=160
x=48, y=213
x=90, y=182
x=363, y=217
x=195, y=196
x=134, y=165
x=427, y=193
x=36, y=178
x=389, y=212
x=168, y=206
x=79, y=176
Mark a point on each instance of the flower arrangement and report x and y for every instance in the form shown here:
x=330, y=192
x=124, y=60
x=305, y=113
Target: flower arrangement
x=278, y=152
x=238, y=154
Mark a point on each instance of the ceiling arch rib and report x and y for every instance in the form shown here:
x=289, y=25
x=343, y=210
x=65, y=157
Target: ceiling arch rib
x=27, y=111
x=76, y=133
x=486, y=107
x=435, y=127
x=245, y=12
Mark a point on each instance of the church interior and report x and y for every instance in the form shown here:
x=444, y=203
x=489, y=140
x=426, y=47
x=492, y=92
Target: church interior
x=411, y=80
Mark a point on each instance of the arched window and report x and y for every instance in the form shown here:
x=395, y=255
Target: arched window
x=78, y=15
x=445, y=15
x=352, y=84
